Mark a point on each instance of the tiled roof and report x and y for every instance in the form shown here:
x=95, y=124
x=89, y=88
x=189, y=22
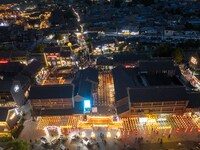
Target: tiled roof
x=157, y=94
x=51, y=92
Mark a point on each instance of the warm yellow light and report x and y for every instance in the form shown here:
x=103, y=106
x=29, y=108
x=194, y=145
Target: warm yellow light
x=69, y=44
x=118, y=134
x=92, y=135
x=46, y=131
x=108, y=134
x=193, y=60
x=12, y=116
x=83, y=134
x=151, y=121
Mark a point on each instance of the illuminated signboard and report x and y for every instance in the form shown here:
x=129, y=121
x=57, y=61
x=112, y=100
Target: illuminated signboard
x=52, y=56
x=193, y=60
x=87, y=106
x=3, y=61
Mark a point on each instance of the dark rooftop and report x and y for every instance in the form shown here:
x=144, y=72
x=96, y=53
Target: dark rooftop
x=3, y=114
x=51, y=91
x=5, y=85
x=32, y=68
x=156, y=94
x=104, y=61
x=129, y=58
x=52, y=49
x=156, y=65
x=11, y=68
x=194, y=100
x=83, y=81
x=53, y=112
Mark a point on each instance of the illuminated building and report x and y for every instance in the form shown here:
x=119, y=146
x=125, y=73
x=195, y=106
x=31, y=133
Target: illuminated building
x=13, y=83
x=85, y=84
x=12, y=92
x=15, y=80
x=8, y=119
x=21, y=57
x=152, y=86
x=52, y=100
x=194, y=61
x=55, y=57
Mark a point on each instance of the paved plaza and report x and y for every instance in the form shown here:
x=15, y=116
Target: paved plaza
x=141, y=139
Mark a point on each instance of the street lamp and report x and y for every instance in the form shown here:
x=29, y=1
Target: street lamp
x=92, y=134
x=83, y=134
x=108, y=134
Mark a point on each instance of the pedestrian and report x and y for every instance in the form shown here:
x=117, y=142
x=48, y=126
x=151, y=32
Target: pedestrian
x=169, y=136
x=124, y=145
x=161, y=141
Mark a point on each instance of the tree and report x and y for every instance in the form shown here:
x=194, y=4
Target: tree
x=42, y=17
x=58, y=37
x=121, y=47
x=178, y=55
x=40, y=48
x=18, y=145
x=164, y=50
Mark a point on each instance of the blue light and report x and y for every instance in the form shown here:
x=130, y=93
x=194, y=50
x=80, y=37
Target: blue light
x=87, y=104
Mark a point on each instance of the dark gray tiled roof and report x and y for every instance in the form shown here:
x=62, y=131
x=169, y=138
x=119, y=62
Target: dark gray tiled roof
x=51, y=92
x=65, y=54
x=121, y=81
x=5, y=85
x=194, y=100
x=104, y=61
x=32, y=68
x=78, y=108
x=24, y=80
x=52, y=49
x=3, y=114
x=130, y=57
x=52, y=112
x=83, y=82
x=156, y=65
x=122, y=109
x=156, y=94
x=11, y=67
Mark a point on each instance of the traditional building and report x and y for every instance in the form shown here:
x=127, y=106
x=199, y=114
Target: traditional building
x=151, y=87
x=8, y=119
x=54, y=56
x=52, y=100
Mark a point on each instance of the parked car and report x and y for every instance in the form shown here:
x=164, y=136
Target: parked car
x=62, y=147
x=44, y=140
x=54, y=141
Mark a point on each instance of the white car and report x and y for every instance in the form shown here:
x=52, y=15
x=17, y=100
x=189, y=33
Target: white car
x=54, y=141
x=62, y=147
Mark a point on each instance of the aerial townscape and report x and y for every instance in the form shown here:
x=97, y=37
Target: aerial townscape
x=99, y=74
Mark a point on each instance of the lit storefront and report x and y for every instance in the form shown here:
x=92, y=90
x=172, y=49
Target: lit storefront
x=55, y=57
x=8, y=119
x=194, y=62
x=100, y=121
